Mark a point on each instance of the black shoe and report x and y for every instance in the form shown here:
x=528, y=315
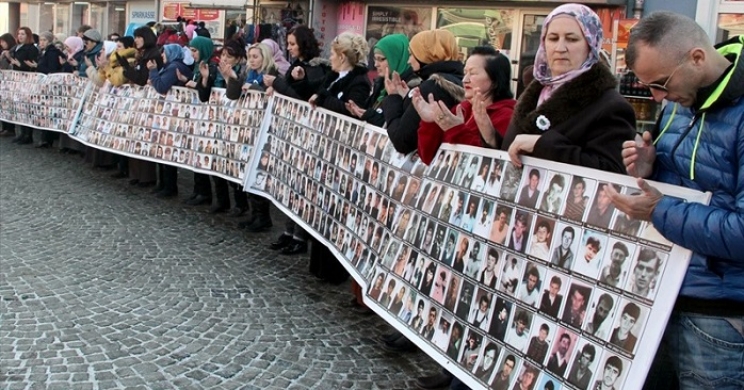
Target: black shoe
x=134, y=182
x=437, y=381
x=199, y=200
x=248, y=222
x=44, y=145
x=166, y=194
x=282, y=242
x=119, y=175
x=144, y=184
x=400, y=345
x=390, y=337
x=260, y=225
x=158, y=188
x=236, y=212
x=218, y=208
x=191, y=197
x=295, y=247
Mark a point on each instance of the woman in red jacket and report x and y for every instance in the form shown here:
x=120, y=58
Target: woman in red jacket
x=480, y=120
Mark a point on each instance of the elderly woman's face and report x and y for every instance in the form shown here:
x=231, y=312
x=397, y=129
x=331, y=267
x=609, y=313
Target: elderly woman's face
x=476, y=78
x=565, y=46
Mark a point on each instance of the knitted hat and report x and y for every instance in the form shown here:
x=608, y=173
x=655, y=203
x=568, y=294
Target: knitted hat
x=47, y=35
x=93, y=35
x=433, y=46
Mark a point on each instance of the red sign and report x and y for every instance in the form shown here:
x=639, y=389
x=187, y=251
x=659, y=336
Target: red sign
x=172, y=10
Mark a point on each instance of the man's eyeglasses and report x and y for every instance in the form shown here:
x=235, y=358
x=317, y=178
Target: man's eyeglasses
x=663, y=87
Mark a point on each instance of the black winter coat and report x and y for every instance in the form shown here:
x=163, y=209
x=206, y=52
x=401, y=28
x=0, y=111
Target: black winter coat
x=589, y=121
x=315, y=73
x=375, y=114
x=49, y=60
x=23, y=53
x=335, y=92
x=403, y=119
x=139, y=74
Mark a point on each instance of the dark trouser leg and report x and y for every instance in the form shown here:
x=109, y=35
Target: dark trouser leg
x=202, y=186
x=48, y=137
x=222, y=192
x=240, y=196
x=123, y=164
x=170, y=176
x=324, y=264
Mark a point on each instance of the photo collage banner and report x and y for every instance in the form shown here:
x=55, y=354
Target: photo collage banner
x=45, y=102
x=215, y=138
x=509, y=277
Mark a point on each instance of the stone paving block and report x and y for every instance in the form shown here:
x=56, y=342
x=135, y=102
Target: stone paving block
x=147, y=293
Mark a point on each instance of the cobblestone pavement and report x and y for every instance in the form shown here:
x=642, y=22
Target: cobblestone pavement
x=104, y=286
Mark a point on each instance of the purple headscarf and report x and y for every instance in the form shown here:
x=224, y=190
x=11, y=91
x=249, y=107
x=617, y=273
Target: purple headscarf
x=591, y=27
x=281, y=63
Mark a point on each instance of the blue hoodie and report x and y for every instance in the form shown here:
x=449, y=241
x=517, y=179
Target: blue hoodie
x=167, y=77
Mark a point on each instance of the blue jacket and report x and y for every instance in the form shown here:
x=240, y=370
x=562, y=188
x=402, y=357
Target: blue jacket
x=162, y=80
x=703, y=148
x=92, y=54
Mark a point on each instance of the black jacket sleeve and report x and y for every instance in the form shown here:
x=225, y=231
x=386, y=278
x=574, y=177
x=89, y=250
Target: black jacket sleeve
x=357, y=91
x=373, y=117
x=203, y=91
x=234, y=87
x=23, y=54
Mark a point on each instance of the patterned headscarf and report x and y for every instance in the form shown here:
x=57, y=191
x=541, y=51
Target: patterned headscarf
x=590, y=25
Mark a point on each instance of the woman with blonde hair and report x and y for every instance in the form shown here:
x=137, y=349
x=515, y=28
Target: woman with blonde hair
x=260, y=62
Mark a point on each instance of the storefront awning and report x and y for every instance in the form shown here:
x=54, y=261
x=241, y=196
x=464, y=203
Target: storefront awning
x=218, y=4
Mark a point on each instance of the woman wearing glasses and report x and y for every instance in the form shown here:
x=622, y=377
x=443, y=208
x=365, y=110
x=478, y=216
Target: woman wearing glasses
x=571, y=112
x=390, y=55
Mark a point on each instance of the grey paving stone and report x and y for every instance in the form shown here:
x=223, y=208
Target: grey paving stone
x=107, y=287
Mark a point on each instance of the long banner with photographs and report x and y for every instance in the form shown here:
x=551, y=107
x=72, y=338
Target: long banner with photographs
x=510, y=277
x=215, y=138
x=46, y=102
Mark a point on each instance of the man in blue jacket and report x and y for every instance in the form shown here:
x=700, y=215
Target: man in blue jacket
x=699, y=144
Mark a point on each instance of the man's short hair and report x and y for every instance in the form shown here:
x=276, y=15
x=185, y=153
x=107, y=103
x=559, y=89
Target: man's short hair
x=533, y=272
x=615, y=361
x=673, y=32
x=566, y=336
x=492, y=252
x=647, y=255
x=571, y=230
x=544, y=224
x=607, y=298
x=556, y=280
x=632, y=310
x=511, y=358
x=545, y=327
x=621, y=247
x=589, y=350
x=534, y=172
x=593, y=242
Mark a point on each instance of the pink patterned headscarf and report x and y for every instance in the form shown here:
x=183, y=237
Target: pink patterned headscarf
x=590, y=25
x=75, y=44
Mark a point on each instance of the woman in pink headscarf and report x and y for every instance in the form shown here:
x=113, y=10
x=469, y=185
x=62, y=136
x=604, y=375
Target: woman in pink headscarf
x=281, y=63
x=73, y=48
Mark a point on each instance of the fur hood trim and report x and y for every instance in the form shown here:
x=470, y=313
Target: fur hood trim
x=455, y=90
x=565, y=103
x=319, y=61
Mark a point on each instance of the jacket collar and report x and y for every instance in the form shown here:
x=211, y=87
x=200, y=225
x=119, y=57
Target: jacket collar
x=730, y=86
x=565, y=103
x=451, y=67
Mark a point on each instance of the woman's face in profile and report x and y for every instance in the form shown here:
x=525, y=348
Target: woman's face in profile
x=476, y=78
x=565, y=46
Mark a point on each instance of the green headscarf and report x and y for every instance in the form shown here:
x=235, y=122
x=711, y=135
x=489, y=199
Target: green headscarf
x=204, y=46
x=395, y=48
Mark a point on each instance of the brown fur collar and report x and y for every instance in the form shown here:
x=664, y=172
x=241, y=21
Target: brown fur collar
x=456, y=91
x=565, y=103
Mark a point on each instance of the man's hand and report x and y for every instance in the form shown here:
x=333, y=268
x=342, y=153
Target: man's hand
x=639, y=156
x=638, y=207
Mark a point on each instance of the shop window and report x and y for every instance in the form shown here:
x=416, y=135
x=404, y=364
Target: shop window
x=62, y=19
x=478, y=27
x=729, y=25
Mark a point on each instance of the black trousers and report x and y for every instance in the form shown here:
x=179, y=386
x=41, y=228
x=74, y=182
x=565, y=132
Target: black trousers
x=168, y=177
x=222, y=192
x=261, y=206
x=202, y=185
x=324, y=265
x=48, y=136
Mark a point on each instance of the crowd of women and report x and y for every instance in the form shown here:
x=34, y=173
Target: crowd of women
x=422, y=95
